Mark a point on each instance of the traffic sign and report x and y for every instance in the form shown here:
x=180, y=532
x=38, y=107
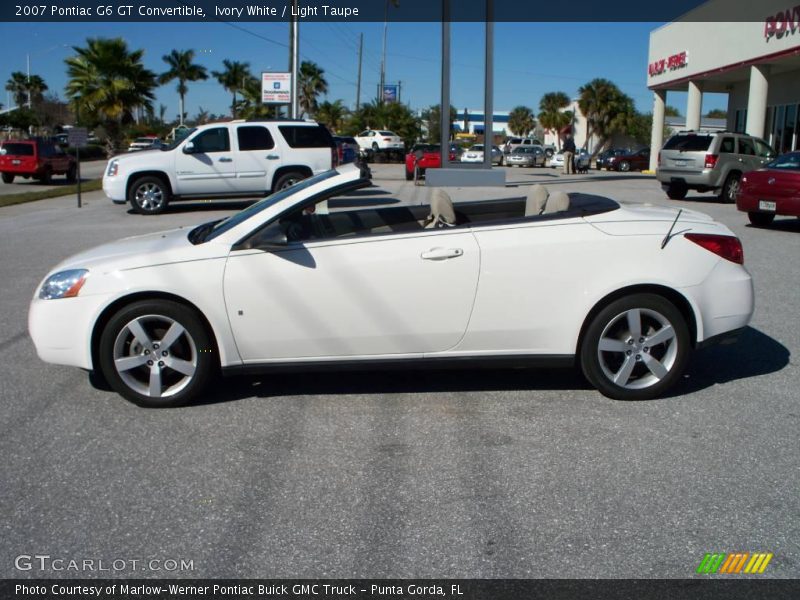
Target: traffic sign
x=276, y=88
x=77, y=137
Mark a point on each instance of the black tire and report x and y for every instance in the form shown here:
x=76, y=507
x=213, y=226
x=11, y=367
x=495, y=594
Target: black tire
x=8, y=178
x=624, y=166
x=47, y=176
x=409, y=175
x=730, y=188
x=154, y=381
x=626, y=354
x=760, y=219
x=549, y=153
x=72, y=174
x=289, y=179
x=677, y=191
x=149, y=195
x=375, y=147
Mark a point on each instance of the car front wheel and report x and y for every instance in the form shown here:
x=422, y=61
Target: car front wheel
x=635, y=348
x=624, y=166
x=157, y=353
x=149, y=195
x=730, y=189
x=760, y=219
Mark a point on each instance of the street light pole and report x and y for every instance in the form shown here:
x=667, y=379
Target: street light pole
x=28, y=63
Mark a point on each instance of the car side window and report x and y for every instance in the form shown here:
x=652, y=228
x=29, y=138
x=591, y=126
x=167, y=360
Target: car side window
x=746, y=147
x=763, y=150
x=363, y=134
x=212, y=140
x=727, y=146
x=254, y=137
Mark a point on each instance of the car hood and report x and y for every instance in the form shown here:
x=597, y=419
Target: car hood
x=134, y=252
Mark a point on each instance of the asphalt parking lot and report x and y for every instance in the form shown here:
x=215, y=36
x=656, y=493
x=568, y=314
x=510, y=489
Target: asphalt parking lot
x=497, y=473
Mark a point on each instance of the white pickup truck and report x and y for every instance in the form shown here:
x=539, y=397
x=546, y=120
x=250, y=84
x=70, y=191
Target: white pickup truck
x=221, y=160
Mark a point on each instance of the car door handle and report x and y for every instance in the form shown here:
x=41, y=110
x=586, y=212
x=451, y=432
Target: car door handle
x=225, y=159
x=272, y=157
x=441, y=253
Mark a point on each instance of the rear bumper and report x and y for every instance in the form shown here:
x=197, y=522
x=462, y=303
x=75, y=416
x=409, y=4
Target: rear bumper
x=700, y=179
x=748, y=202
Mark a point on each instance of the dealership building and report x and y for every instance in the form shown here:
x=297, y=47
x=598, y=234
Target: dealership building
x=756, y=62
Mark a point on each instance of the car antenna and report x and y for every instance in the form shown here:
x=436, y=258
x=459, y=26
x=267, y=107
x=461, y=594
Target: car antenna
x=669, y=233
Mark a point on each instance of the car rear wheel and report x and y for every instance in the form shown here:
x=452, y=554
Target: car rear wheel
x=72, y=174
x=47, y=176
x=8, y=178
x=157, y=353
x=677, y=191
x=635, y=348
x=409, y=174
x=288, y=179
x=730, y=188
x=149, y=195
x=624, y=166
x=760, y=219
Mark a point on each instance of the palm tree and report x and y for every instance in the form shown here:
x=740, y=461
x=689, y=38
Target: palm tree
x=552, y=115
x=24, y=87
x=606, y=108
x=521, y=121
x=331, y=114
x=107, y=83
x=250, y=105
x=182, y=69
x=311, y=84
x=234, y=78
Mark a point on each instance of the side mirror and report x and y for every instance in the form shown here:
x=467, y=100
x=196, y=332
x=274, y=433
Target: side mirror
x=271, y=238
x=188, y=148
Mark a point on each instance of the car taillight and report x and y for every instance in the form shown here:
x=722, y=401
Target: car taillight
x=726, y=246
x=387, y=139
x=711, y=161
x=452, y=156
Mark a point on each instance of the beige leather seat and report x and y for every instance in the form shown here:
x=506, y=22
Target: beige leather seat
x=557, y=202
x=443, y=214
x=536, y=200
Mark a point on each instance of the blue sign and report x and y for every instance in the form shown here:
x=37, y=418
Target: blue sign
x=389, y=93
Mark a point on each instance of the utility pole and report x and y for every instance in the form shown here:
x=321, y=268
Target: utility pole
x=399, y=91
x=294, y=67
x=358, y=84
x=28, y=61
x=383, y=56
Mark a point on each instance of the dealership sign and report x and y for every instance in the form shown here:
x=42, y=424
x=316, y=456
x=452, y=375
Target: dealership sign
x=671, y=63
x=785, y=22
x=276, y=88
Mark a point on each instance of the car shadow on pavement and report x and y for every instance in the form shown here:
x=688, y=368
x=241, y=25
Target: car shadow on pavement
x=781, y=224
x=752, y=355
x=393, y=381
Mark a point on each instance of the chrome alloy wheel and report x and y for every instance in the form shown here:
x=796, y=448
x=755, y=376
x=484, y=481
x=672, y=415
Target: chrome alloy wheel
x=149, y=196
x=637, y=348
x=155, y=356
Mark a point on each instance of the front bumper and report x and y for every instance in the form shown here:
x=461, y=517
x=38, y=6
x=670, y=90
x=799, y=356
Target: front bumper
x=61, y=329
x=114, y=189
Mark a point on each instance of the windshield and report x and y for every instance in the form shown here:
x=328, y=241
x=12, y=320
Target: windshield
x=477, y=148
x=226, y=224
x=426, y=148
x=179, y=137
x=789, y=162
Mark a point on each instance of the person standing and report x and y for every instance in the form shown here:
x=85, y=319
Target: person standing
x=568, y=147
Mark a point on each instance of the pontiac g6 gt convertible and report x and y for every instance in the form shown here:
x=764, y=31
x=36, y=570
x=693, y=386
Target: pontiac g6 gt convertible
x=624, y=291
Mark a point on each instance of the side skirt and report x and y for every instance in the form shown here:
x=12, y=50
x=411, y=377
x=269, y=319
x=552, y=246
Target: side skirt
x=532, y=361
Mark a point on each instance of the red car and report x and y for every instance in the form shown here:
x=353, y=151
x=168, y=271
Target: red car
x=632, y=161
x=423, y=157
x=35, y=158
x=771, y=190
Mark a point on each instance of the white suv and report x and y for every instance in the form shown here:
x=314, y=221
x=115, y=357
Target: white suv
x=221, y=160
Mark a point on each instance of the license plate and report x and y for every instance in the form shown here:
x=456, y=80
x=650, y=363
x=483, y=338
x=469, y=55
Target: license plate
x=680, y=163
x=767, y=205
x=16, y=161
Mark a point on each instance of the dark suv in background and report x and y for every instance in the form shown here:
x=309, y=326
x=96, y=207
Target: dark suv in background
x=709, y=161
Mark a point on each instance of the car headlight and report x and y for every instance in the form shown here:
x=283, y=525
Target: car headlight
x=113, y=168
x=64, y=284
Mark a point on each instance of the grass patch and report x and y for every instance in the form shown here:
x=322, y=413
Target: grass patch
x=64, y=190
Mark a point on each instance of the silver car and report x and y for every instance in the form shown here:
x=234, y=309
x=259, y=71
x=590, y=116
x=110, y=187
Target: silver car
x=526, y=156
x=709, y=161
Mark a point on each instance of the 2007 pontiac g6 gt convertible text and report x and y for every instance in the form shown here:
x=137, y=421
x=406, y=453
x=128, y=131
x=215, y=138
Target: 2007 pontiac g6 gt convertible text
x=624, y=291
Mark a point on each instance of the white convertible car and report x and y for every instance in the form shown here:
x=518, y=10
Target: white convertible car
x=624, y=291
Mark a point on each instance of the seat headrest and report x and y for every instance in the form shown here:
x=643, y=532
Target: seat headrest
x=536, y=200
x=442, y=210
x=557, y=202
